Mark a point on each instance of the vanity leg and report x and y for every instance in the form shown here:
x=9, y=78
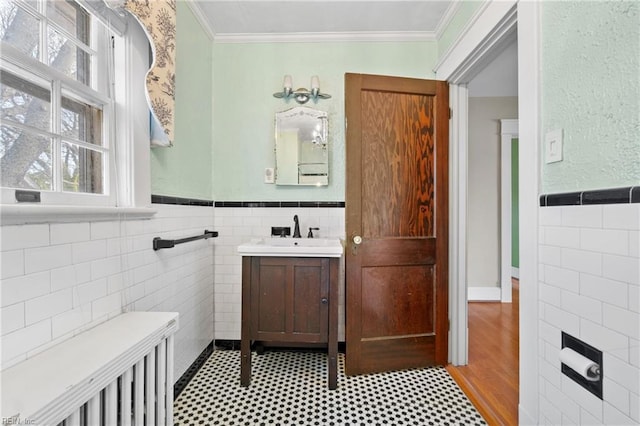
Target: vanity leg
x=333, y=369
x=245, y=336
x=245, y=364
x=333, y=323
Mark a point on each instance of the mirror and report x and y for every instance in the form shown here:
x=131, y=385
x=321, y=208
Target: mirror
x=302, y=157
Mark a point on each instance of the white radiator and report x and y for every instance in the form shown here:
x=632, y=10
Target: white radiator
x=118, y=373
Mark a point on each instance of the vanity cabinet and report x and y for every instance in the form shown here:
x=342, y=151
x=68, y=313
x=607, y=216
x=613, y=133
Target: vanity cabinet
x=289, y=301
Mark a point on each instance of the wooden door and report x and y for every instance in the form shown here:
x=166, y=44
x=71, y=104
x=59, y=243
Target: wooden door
x=396, y=223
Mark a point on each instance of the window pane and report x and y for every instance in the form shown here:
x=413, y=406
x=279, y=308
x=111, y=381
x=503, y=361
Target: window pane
x=81, y=121
x=24, y=102
x=81, y=169
x=25, y=159
x=70, y=16
x=19, y=29
x=68, y=58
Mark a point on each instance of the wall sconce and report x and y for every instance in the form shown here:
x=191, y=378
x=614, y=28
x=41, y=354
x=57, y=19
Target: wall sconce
x=301, y=95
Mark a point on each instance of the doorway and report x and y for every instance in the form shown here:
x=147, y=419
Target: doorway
x=491, y=377
x=493, y=97
x=489, y=32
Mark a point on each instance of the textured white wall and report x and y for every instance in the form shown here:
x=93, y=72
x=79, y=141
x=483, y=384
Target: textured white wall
x=60, y=279
x=590, y=288
x=591, y=90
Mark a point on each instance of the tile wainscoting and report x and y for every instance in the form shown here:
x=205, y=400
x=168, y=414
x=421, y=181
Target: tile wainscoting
x=589, y=273
x=59, y=279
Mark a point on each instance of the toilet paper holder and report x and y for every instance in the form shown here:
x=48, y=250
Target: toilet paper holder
x=593, y=381
x=594, y=372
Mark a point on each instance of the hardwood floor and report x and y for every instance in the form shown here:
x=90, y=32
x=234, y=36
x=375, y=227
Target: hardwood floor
x=490, y=380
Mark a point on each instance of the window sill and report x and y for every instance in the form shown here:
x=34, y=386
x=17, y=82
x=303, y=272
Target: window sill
x=20, y=214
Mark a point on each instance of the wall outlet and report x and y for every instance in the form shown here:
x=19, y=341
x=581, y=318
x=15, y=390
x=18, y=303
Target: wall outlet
x=269, y=175
x=553, y=146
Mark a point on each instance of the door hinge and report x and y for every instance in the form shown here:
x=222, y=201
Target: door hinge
x=450, y=113
x=448, y=325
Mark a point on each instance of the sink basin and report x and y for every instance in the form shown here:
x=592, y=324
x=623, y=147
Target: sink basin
x=292, y=247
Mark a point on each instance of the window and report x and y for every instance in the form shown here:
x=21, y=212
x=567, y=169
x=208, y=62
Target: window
x=55, y=102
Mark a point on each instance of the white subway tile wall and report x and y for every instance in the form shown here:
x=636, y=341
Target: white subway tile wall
x=589, y=287
x=60, y=279
x=239, y=225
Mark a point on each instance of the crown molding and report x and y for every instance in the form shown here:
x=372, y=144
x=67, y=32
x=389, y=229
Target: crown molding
x=201, y=18
x=489, y=23
x=463, y=33
x=444, y=22
x=377, y=36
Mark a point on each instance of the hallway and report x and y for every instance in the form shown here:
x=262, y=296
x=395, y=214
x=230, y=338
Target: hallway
x=490, y=380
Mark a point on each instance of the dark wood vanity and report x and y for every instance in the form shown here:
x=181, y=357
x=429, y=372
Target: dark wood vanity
x=291, y=302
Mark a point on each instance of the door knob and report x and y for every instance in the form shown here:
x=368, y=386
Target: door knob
x=324, y=300
x=357, y=240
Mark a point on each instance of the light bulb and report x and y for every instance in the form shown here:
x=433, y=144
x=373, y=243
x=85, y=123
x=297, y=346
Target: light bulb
x=287, y=82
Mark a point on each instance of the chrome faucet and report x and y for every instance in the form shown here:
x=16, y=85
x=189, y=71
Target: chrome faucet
x=296, y=229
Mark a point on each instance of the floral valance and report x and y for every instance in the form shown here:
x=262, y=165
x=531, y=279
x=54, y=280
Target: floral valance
x=158, y=18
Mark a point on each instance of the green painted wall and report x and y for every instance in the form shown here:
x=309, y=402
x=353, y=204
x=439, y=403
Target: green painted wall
x=245, y=78
x=515, y=209
x=466, y=10
x=185, y=169
x=591, y=90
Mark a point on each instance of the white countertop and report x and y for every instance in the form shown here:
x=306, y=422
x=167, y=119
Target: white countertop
x=292, y=247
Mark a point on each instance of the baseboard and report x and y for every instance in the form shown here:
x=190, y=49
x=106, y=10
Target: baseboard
x=227, y=344
x=184, y=380
x=233, y=345
x=515, y=272
x=484, y=294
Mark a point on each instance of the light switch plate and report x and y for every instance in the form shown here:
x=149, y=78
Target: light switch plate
x=553, y=146
x=269, y=175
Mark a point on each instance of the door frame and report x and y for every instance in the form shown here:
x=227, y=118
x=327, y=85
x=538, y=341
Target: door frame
x=493, y=26
x=508, y=132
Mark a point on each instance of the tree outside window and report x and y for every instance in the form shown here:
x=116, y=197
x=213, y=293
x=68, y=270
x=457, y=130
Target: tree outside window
x=51, y=128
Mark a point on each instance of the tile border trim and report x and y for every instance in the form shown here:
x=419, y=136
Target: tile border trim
x=624, y=195
x=165, y=199
x=280, y=204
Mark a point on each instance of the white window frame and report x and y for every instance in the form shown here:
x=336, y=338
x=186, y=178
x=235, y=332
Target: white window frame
x=127, y=173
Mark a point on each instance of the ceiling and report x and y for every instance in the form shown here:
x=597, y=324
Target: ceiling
x=318, y=20
x=227, y=18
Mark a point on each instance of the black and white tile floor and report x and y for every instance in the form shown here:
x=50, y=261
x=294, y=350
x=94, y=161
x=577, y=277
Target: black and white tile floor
x=290, y=388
